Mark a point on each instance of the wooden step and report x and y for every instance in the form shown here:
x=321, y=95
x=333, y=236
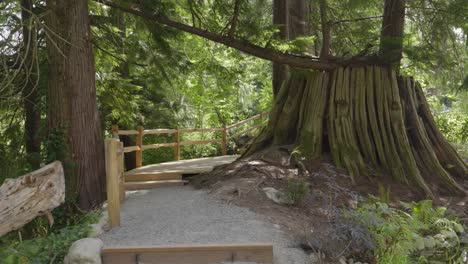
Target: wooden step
x=189, y=254
x=142, y=185
x=152, y=176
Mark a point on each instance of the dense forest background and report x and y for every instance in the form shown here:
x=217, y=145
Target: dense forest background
x=70, y=70
x=151, y=75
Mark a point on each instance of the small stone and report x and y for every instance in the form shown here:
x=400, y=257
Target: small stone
x=351, y=261
x=276, y=196
x=314, y=258
x=342, y=260
x=84, y=251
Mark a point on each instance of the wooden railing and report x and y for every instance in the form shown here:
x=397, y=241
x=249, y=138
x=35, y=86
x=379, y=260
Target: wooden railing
x=227, y=133
x=115, y=150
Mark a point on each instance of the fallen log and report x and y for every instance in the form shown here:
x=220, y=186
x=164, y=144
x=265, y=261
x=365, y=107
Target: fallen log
x=30, y=196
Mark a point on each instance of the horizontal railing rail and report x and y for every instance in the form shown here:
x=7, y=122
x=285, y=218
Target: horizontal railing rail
x=228, y=132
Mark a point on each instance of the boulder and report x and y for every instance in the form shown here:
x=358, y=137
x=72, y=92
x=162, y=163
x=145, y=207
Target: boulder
x=84, y=251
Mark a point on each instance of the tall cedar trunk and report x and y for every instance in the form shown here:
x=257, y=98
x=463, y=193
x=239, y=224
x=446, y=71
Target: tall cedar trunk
x=292, y=18
x=365, y=117
x=326, y=30
x=391, y=38
x=118, y=19
x=280, y=18
x=29, y=93
x=72, y=100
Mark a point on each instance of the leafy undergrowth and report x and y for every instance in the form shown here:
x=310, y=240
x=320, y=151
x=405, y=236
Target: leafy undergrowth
x=416, y=233
x=39, y=243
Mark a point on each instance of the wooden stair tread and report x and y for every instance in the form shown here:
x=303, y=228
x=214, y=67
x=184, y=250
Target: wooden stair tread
x=152, y=177
x=153, y=184
x=193, y=254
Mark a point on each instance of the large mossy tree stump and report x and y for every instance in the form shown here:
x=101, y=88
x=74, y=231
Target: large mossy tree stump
x=366, y=118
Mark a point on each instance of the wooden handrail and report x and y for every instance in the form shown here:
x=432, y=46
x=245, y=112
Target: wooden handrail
x=257, y=116
x=140, y=132
x=200, y=142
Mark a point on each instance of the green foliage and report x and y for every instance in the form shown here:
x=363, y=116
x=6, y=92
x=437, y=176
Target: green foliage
x=44, y=245
x=296, y=190
x=418, y=233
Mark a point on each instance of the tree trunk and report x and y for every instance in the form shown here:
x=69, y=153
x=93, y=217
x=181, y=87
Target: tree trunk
x=72, y=100
x=365, y=117
x=292, y=18
x=280, y=18
x=29, y=92
x=326, y=30
x=391, y=38
x=118, y=19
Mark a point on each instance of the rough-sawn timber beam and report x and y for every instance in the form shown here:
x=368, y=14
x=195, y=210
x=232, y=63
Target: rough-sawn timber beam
x=193, y=254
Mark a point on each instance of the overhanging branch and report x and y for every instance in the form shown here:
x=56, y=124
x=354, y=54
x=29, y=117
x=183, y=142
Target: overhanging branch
x=241, y=45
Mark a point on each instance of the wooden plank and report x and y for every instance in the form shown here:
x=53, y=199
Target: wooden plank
x=160, y=145
x=130, y=149
x=224, y=142
x=128, y=132
x=159, y=131
x=191, y=166
x=177, y=146
x=142, y=185
x=244, y=121
x=191, y=130
x=193, y=254
x=112, y=180
x=139, y=152
x=153, y=177
x=245, y=131
x=121, y=170
x=197, y=142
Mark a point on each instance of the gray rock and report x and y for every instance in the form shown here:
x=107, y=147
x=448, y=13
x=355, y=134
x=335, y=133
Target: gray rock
x=84, y=251
x=276, y=196
x=96, y=230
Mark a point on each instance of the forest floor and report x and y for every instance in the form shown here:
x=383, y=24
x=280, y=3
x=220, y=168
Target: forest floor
x=315, y=221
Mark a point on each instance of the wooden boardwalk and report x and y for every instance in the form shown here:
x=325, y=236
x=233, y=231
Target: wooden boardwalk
x=170, y=173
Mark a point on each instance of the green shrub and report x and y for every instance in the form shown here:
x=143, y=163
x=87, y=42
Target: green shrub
x=419, y=233
x=44, y=247
x=296, y=190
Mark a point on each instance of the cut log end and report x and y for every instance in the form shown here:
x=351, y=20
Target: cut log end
x=30, y=196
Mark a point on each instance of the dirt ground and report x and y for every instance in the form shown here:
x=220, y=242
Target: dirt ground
x=315, y=221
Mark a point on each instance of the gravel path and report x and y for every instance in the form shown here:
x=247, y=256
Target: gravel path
x=183, y=215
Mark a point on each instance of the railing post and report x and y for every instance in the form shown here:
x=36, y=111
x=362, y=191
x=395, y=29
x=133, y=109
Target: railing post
x=224, y=142
x=120, y=156
x=177, y=144
x=115, y=131
x=139, y=143
x=113, y=182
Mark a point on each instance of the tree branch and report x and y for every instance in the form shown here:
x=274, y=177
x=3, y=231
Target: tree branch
x=241, y=45
x=354, y=20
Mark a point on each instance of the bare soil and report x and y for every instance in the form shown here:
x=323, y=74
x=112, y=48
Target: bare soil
x=316, y=220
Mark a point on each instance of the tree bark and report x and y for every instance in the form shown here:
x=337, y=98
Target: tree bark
x=391, y=38
x=29, y=93
x=30, y=196
x=72, y=100
x=364, y=117
x=280, y=18
x=292, y=19
x=326, y=30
